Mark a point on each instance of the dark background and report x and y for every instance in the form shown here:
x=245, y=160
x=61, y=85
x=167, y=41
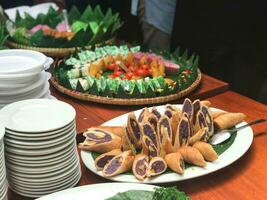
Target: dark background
x=229, y=36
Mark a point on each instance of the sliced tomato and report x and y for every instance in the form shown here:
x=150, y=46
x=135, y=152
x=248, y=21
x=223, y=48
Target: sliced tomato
x=141, y=72
x=144, y=66
x=117, y=73
x=129, y=75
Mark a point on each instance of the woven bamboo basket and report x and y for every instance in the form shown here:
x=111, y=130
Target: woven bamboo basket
x=53, y=52
x=121, y=101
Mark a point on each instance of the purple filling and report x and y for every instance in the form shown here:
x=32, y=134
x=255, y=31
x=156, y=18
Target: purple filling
x=113, y=165
x=152, y=150
x=204, y=110
x=102, y=139
x=166, y=124
x=182, y=163
x=150, y=132
x=156, y=113
x=141, y=116
x=129, y=136
x=187, y=108
x=104, y=160
x=183, y=131
x=196, y=107
x=158, y=166
x=168, y=113
x=136, y=130
x=202, y=121
x=170, y=107
x=153, y=122
x=141, y=167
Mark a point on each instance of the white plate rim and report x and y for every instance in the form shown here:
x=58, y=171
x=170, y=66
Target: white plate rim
x=94, y=190
x=8, y=110
x=190, y=173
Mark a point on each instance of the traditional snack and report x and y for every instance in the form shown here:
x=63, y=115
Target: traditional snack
x=175, y=162
x=100, y=141
x=119, y=164
x=103, y=159
x=140, y=166
x=148, y=144
x=157, y=165
x=192, y=155
x=228, y=120
x=206, y=150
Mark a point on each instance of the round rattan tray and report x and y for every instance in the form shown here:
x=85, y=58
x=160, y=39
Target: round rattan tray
x=54, y=52
x=120, y=101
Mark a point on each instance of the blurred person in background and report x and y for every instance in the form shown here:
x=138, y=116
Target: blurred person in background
x=156, y=19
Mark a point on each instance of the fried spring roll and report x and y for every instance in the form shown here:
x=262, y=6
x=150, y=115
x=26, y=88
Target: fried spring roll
x=119, y=164
x=175, y=162
x=192, y=155
x=206, y=150
x=116, y=130
x=228, y=120
x=140, y=166
x=103, y=159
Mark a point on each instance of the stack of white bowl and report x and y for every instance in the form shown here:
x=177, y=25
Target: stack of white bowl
x=22, y=75
x=3, y=183
x=40, y=146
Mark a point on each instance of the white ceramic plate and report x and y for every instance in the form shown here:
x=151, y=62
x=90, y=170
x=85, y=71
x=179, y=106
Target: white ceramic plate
x=62, y=138
x=39, y=152
x=32, y=87
x=97, y=191
x=14, y=61
x=44, y=159
x=28, y=140
x=18, y=171
x=39, y=135
x=22, y=191
x=37, y=115
x=37, y=168
x=49, y=179
x=241, y=144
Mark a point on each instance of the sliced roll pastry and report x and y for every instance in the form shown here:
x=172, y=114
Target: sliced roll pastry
x=103, y=159
x=157, y=165
x=140, y=166
x=100, y=141
x=119, y=164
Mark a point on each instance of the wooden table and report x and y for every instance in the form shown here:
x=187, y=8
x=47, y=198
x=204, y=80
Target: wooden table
x=244, y=179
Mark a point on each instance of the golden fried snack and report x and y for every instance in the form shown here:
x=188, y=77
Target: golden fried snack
x=119, y=164
x=103, y=159
x=140, y=166
x=228, y=120
x=206, y=150
x=116, y=130
x=157, y=165
x=192, y=155
x=100, y=141
x=175, y=162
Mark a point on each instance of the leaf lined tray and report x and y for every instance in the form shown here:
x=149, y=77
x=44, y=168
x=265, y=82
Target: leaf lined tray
x=49, y=33
x=131, y=101
x=55, y=52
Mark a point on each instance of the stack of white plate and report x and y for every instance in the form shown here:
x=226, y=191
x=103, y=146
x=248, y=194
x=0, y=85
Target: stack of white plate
x=22, y=75
x=3, y=183
x=40, y=146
